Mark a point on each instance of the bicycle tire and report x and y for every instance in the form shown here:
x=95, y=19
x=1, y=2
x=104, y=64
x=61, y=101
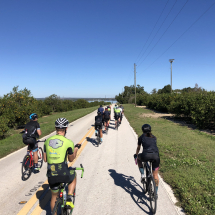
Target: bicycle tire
x=152, y=195
x=40, y=157
x=57, y=207
x=26, y=168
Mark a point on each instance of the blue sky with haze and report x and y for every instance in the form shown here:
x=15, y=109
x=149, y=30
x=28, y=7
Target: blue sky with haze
x=87, y=48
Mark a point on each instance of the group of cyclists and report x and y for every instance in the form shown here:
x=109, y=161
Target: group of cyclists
x=104, y=116
x=57, y=149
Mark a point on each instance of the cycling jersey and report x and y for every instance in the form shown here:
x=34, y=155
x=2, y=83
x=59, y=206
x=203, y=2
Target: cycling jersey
x=57, y=148
x=101, y=109
x=149, y=144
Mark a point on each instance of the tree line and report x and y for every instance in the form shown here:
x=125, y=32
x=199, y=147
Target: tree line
x=195, y=103
x=16, y=106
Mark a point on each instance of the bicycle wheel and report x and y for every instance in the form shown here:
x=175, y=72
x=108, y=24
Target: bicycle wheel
x=26, y=169
x=58, y=209
x=152, y=195
x=40, y=157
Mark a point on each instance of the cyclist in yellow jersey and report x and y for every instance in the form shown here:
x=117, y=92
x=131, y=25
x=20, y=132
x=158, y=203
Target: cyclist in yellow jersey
x=56, y=151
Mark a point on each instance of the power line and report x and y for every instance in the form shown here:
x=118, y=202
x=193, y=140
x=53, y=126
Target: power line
x=165, y=30
x=182, y=35
x=152, y=30
x=159, y=28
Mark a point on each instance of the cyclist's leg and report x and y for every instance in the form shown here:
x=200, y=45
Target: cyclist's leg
x=71, y=186
x=35, y=149
x=140, y=164
x=155, y=168
x=55, y=192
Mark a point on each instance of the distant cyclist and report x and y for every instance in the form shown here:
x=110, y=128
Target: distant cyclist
x=106, y=116
x=32, y=132
x=56, y=151
x=117, y=113
x=120, y=114
x=101, y=109
x=150, y=152
x=98, y=124
x=109, y=109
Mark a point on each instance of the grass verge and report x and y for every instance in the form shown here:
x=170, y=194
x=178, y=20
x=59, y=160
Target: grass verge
x=14, y=142
x=187, y=160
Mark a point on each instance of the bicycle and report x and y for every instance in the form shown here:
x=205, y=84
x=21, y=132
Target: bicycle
x=60, y=205
x=149, y=185
x=28, y=163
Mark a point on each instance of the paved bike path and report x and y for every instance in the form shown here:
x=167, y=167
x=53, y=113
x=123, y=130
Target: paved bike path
x=111, y=182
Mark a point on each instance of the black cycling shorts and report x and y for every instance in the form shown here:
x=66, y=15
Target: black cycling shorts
x=116, y=117
x=98, y=126
x=144, y=157
x=55, y=186
x=32, y=144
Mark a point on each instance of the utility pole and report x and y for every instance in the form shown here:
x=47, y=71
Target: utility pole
x=171, y=60
x=135, y=82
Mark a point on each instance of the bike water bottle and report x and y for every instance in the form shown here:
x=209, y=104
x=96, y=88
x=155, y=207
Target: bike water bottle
x=64, y=195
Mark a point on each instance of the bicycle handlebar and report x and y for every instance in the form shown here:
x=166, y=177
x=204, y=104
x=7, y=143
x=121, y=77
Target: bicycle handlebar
x=79, y=168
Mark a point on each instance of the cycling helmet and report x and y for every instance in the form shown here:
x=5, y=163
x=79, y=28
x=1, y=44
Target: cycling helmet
x=100, y=105
x=146, y=128
x=98, y=113
x=61, y=123
x=33, y=116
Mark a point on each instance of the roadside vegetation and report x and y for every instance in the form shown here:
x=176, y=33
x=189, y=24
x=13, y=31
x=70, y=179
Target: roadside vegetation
x=14, y=142
x=187, y=160
x=193, y=104
x=16, y=106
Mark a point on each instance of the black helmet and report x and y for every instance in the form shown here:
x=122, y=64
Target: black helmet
x=99, y=113
x=33, y=116
x=100, y=105
x=146, y=128
x=61, y=123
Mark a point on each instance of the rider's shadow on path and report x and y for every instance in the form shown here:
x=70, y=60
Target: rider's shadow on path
x=129, y=184
x=44, y=197
x=93, y=141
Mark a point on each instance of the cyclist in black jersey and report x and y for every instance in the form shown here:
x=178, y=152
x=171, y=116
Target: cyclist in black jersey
x=32, y=132
x=150, y=152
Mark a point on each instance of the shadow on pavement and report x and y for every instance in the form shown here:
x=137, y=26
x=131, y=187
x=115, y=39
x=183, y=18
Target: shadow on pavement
x=129, y=184
x=93, y=141
x=44, y=197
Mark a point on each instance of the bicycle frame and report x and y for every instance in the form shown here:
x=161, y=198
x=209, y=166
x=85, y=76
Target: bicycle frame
x=63, y=186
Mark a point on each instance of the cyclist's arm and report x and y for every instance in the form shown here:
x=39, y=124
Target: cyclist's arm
x=39, y=132
x=72, y=155
x=138, y=146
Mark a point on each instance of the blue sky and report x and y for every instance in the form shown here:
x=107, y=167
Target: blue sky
x=87, y=48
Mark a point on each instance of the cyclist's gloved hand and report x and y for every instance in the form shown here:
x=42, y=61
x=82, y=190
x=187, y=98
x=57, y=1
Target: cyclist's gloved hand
x=78, y=145
x=135, y=156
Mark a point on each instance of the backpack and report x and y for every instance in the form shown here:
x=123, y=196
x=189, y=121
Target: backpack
x=29, y=132
x=106, y=115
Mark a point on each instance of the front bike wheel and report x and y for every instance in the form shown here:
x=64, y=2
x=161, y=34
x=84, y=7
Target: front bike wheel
x=26, y=169
x=152, y=195
x=40, y=157
x=58, y=209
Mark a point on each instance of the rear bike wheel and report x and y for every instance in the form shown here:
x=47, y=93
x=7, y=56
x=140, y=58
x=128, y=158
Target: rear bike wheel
x=152, y=195
x=26, y=169
x=40, y=157
x=58, y=209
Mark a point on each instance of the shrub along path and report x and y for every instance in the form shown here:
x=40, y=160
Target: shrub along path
x=187, y=160
x=14, y=142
